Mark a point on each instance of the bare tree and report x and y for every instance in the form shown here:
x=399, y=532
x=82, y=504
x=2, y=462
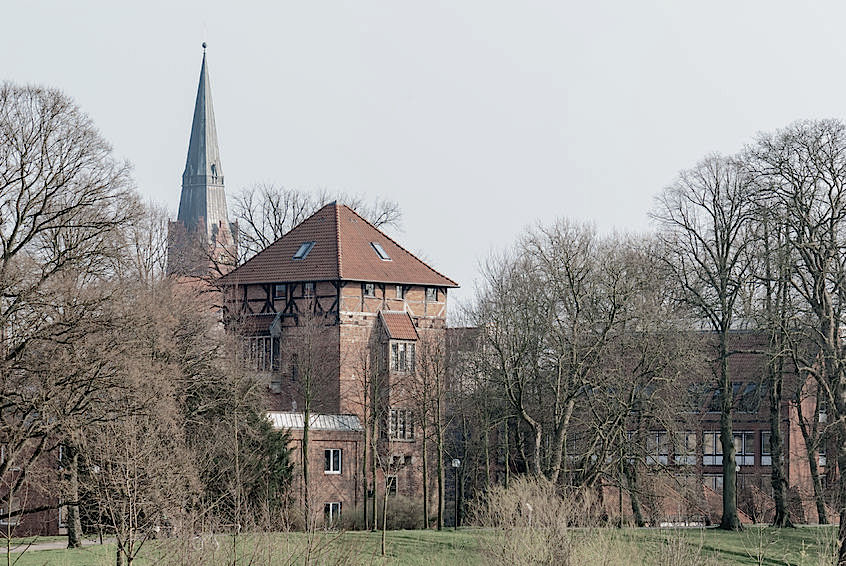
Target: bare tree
x=802, y=169
x=63, y=202
x=706, y=218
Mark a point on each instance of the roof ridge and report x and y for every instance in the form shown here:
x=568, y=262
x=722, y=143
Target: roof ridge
x=397, y=244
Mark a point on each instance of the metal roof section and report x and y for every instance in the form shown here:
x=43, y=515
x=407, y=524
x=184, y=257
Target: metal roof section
x=286, y=420
x=202, y=181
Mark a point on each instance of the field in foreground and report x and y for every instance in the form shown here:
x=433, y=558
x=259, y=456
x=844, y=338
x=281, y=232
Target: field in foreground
x=806, y=546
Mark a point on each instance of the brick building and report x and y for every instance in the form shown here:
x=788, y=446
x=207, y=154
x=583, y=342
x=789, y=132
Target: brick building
x=332, y=316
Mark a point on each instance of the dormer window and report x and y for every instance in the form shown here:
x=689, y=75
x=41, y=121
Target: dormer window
x=304, y=249
x=380, y=251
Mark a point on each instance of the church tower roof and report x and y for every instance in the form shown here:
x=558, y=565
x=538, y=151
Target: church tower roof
x=203, y=199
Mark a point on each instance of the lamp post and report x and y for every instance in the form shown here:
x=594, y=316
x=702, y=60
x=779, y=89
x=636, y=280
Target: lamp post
x=456, y=463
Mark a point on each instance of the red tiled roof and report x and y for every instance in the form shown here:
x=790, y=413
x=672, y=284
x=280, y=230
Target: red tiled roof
x=398, y=325
x=342, y=251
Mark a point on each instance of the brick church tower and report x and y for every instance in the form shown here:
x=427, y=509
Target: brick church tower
x=202, y=241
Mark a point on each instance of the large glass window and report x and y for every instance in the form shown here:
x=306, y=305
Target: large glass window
x=684, y=448
x=657, y=448
x=261, y=353
x=744, y=448
x=402, y=356
x=712, y=449
x=401, y=424
x=766, y=456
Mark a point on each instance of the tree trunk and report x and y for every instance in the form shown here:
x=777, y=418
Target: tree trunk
x=74, y=521
x=779, y=482
x=809, y=436
x=730, y=521
x=384, y=515
x=425, y=482
x=439, y=453
x=306, y=494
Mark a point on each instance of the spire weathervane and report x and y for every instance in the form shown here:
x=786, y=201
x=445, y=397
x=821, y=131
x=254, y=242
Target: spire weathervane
x=204, y=48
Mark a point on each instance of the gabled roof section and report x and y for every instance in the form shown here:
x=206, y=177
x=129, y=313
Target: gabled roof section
x=398, y=325
x=342, y=250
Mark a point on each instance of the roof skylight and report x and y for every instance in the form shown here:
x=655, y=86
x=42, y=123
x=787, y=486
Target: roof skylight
x=304, y=249
x=380, y=251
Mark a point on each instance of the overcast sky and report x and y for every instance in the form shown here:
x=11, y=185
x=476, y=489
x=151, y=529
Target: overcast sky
x=479, y=118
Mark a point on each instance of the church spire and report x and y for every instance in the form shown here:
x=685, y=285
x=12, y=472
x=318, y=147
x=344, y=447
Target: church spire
x=203, y=199
x=202, y=240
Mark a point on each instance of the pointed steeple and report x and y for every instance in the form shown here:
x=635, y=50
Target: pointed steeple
x=202, y=240
x=203, y=199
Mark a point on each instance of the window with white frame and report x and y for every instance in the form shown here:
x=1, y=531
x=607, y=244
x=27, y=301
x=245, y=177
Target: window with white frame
x=712, y=449
x=401, y=424
x=766, y=455
x=308, y=289
x=657, y=447
x=431, y=294
x=402, y=356
x=261, y=353
x=368, y=289
x=684, y=448
x=280, y=291
x=332, y=461
x=332, y=512
x=821, y=455
x=744, y=448
x=400, y=292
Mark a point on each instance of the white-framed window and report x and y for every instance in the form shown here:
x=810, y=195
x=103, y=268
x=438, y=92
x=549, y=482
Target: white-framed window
x=2, y=453
x=332, y=461
x=308, y=289
x=657, y=447
x=684, y=448
x=402, y=356
x=431, y=294
x=821, y=458
x=303, y=250
x=822, y=411
x=368, y=289
x=261, y=353
x=332, y=512
x=401, y=424
x=712, y=449
x=766, y=456
x=400, y=292
x=280, y=291
x=744, y=448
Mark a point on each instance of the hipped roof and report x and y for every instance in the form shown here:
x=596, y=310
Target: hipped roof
x=342, y=251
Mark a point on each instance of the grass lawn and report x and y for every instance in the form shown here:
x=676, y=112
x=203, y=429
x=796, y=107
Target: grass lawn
x=755, y=545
